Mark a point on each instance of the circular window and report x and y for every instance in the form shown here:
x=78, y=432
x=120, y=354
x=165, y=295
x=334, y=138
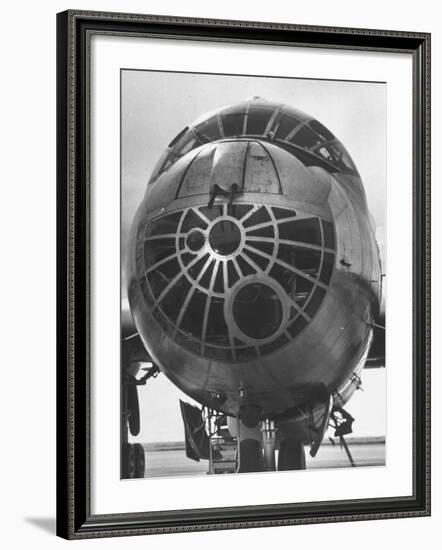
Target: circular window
x=195, y=240
x=257, y=310
x=225, y=237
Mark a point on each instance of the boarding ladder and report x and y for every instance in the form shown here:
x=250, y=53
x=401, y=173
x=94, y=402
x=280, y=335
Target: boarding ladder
x=224, y=449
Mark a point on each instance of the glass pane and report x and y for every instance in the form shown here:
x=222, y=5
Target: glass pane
x=305, y=230
x=240, y=210
x=260, y=216
x=325, y=153
x=195, y=240
x=267, y=248
x=206, y=278
x=217, y=332
x=219, y=280
x=195, y=270
x=245, y=267
x=157, y=282
x=304, y=259
x=188, y=146
x=329, y=234
x=233, y=124
x=297, y=287
x=157, y=250
x=209, y=129
x=177, y=138
x=172, y=302
x=193, y=318
x=341, y=157
x=257, y=310
x=191, y=221
x=257, y=120
x=187, y=257
x=283, y=213
x=184, y=142
x=260, y=261
x=327, y=267
x=212, y=213
x=166, y=224
x=160, y=277
x=302, y=289
x=305, y=138
x=262, y=232
x=232, y=273
x=320, y=129
x=225, y=237
x=285, y=125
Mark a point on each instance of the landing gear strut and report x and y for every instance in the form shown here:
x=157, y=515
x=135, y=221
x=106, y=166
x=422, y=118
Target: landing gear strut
x=268, y=433
x=291, y=455
x=251, y=459
x=133, y=459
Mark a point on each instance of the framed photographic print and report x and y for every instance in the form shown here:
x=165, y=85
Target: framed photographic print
x=243, y=274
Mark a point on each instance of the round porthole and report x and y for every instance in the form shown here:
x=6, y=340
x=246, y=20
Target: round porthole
x=225, y=237
x=195, y=240
x=257, y=310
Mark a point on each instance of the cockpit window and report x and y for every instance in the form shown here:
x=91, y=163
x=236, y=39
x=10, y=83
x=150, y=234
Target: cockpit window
x=285, y=126
x=177, y=138
x=315, y=144
x=209, y=129
x=325, y=152
x=321, y=130
x=233, y=123
x=305, y=138
x=257, y=120
x=342, y=158
x=184, y=142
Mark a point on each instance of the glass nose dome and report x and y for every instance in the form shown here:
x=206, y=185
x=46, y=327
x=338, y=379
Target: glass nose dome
x=235, y=283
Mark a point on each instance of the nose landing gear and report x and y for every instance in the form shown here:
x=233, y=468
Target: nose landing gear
x=259, y=450
x=291, y=455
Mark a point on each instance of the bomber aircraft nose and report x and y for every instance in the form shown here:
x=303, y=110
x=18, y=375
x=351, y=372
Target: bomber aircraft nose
x=241, y=270
x=233, y=273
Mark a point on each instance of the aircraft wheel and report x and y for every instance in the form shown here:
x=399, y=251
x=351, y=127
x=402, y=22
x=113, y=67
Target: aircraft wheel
x=291, y=455
x=129, y=461
x=134, y=408
x=250, y=456
x=140, y=460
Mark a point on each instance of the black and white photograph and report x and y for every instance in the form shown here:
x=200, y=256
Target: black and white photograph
x=222, y=265
x=253, y=291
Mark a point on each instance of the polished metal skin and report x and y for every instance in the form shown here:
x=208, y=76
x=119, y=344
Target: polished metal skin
x=253, y=272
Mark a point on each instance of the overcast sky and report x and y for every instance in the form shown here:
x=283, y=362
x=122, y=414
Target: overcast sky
x=156, y=106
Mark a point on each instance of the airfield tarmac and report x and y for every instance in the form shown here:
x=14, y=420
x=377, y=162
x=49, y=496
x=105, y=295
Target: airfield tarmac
x=169, y=459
